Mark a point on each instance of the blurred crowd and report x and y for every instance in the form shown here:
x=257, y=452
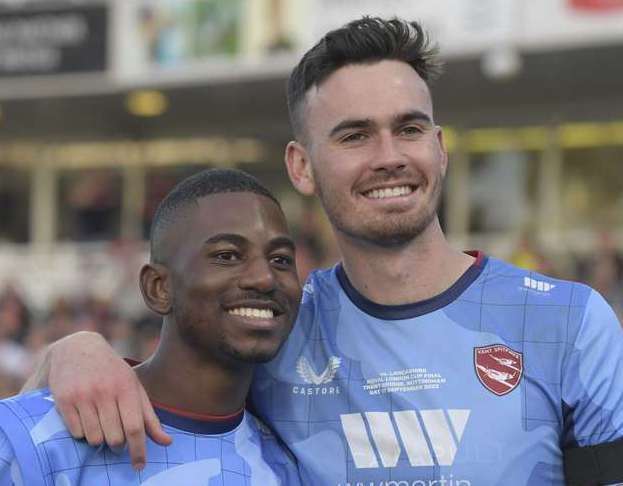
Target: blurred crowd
x=601, y=268
x=26, y=330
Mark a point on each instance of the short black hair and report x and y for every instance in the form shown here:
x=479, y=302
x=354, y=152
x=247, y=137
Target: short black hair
x=189, y=190
x=366, y=40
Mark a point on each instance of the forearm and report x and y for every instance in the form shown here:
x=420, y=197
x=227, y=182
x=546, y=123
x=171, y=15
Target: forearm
x=41, y=373
x=39, y=377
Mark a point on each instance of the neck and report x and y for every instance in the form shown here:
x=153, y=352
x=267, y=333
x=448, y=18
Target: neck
x=176, y=377
x=418, y=270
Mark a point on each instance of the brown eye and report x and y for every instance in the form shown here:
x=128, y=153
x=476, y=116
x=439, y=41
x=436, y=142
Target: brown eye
x=283, y=260
x=227, y=256
x=354, y=137
x=411, y=130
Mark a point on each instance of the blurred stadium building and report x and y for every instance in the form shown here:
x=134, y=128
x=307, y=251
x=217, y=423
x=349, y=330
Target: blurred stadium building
x=104, y=105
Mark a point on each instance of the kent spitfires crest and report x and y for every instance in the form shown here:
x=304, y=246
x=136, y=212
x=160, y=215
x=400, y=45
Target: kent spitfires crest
x=498, y=368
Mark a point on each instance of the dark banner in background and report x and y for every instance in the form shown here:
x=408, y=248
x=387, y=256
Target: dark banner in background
x=69, y=40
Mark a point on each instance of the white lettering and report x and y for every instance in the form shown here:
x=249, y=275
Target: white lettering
x=440, y=436
x=315, y=390
x=357, y=438
x=438, y=425
x=442, y=481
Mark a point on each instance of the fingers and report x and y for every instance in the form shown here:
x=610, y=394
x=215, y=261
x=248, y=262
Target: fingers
x=133, y=427
x=138, y=416
x=152, y=423
x=90, y=424
x=110, y=406
x=71, y=417
x=110, y=422
x=116, y=422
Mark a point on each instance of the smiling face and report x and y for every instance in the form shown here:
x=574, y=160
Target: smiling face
x=232, y=277
x=372, y=152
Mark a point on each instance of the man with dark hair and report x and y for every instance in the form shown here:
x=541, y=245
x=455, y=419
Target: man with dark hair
x=364, y=41
x=412, y=363
x=223, y=278
x=216, y=181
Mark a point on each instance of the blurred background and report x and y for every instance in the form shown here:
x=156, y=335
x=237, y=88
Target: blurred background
x=105, y=105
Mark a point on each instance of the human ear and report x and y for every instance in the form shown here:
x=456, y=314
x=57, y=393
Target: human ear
x=443, y=150
x=154, y=281
x=298, y=164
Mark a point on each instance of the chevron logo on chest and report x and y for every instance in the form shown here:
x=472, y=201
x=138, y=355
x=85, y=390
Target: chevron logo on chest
x=309, y=375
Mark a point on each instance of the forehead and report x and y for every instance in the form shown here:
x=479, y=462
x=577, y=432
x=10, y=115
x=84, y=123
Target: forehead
x=254, y=217
x=238, y=212
x=371, y=90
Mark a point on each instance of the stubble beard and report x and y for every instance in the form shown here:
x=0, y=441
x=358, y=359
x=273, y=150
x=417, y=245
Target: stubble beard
x=390, y=231
x=221, y=348
x=253, y=356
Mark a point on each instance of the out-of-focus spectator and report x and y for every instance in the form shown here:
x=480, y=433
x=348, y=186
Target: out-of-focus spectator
x=60, y=319
x=528, y=255
x=315, y=245
x=15, y=359
x=23, y=337
x=94, y=202
x=14, y=315
x=603, y=270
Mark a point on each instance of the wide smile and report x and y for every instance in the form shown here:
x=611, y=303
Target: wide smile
x=263, y=315
x=390, y=192
x=252, y=312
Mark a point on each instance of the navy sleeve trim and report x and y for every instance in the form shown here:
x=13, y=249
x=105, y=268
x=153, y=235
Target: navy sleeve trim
x=593, y=465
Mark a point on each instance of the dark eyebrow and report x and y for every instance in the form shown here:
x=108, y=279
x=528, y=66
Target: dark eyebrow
x=283, y=241
x=414, y=115
x=235, y=239
x=226, y=237
x=410, y=116
x=349, y=124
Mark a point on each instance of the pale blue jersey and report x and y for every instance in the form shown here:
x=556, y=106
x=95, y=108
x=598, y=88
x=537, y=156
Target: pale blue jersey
x=37, y=450
x=484, y=384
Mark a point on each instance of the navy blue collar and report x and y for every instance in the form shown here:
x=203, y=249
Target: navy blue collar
x=408, y=311
x=198, y=426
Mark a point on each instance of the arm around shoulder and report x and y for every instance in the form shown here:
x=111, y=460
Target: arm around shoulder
x=70, y=345
x=98, y=394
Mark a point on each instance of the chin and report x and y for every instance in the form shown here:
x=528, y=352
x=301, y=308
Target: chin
x=390, y=234
x=257, y=355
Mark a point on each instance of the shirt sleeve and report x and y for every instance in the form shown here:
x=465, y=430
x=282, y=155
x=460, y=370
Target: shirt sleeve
x=6, y=459
x=592, y=382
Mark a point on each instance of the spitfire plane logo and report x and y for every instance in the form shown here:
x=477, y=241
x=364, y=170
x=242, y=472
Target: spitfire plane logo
x=498, y=368
x=305, y=370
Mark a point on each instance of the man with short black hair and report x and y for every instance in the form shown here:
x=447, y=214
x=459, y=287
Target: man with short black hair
x=413, y=363
x=223, y=278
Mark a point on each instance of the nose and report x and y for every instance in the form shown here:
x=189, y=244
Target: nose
x=258, y=275
x=388, y=155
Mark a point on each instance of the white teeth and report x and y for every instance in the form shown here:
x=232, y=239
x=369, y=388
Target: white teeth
x=252, y=312
x=389, y=192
